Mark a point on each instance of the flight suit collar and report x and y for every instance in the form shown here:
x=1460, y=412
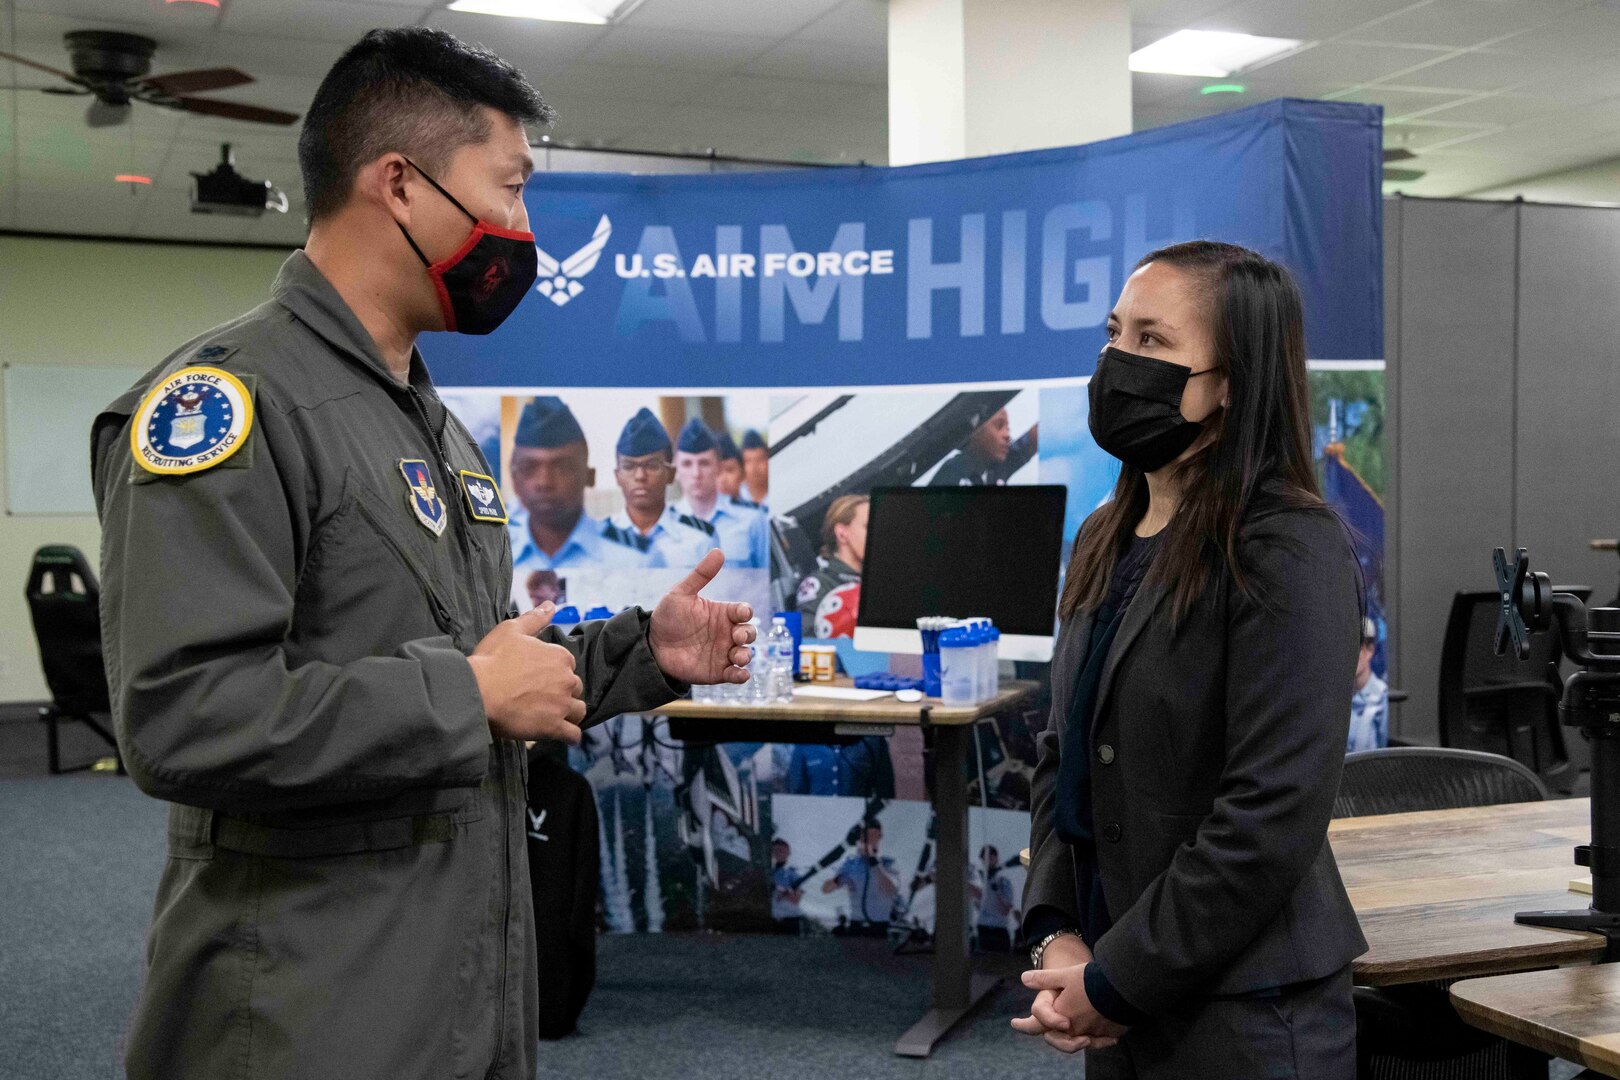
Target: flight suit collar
x=302, y=289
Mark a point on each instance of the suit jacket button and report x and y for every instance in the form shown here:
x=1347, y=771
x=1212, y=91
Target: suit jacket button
x=1110, y=833
x=1105, y=754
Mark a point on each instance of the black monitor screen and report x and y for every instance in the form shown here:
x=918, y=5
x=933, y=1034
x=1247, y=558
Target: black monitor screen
x=963, y=551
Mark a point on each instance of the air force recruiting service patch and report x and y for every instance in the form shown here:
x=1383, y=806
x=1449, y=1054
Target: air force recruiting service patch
x=192, y=420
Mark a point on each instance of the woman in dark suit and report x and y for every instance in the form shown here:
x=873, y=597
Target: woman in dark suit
x=1186, y=914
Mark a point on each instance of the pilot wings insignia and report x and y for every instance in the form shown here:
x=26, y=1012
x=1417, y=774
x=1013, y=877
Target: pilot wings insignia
x=559, y=282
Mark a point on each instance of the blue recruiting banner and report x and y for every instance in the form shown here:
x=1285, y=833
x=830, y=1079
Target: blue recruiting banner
x=984, y=270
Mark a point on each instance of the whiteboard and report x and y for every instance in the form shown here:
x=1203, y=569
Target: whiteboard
x=48, y=413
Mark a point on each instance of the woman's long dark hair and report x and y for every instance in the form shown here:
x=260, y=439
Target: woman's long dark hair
x=1263, y=435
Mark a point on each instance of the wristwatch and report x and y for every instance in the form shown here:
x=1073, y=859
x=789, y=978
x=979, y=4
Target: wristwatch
x=1039, y=951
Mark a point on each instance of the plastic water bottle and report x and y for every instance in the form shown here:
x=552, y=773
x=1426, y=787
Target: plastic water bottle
x=756, y=691
x=957, y=666
x=779, y=662
x=992, y=663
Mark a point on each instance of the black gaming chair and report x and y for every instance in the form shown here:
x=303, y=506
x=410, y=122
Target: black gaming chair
x=64, y=600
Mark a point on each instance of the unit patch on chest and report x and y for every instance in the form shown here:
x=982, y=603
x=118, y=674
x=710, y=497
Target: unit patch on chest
x=420, y=494
x=483, y=497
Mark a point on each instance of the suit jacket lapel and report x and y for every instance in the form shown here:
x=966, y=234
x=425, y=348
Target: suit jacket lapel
x=1067, y=656
x=1137, y=617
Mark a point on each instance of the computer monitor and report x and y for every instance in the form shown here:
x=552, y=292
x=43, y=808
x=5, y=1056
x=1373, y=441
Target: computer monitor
x=962, y=552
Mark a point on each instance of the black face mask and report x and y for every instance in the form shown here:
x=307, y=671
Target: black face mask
x=486, y=278
x=1136, y=409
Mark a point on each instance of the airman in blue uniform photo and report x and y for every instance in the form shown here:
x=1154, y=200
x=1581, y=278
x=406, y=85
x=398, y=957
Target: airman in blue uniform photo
x=550, y=475
x=756, y=467
x=643, y=467
x=744, y=533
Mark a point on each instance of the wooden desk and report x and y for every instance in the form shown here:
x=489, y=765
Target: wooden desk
x=1436, y=891
x=1571, y=1013
x=956, y=990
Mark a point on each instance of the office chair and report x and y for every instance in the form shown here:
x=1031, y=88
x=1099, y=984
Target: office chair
x=1412, y=1032
x=1499, y=703
x=1402, y=779
x=63, y=599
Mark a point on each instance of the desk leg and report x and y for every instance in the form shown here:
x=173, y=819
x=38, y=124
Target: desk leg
x=955, y=989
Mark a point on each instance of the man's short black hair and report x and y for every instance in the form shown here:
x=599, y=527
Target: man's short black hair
x=410, y=89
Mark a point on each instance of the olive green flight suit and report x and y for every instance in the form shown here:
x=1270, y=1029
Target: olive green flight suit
x=346, y=893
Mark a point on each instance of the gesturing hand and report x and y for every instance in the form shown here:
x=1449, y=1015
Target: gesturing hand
x=701, y=641
x=529, y=687
x=1062, y=1014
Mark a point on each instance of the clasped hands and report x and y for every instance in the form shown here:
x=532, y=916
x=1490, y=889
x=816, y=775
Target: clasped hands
x=1062, y=1014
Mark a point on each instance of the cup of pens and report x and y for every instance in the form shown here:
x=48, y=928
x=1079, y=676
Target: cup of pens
x=931, y=627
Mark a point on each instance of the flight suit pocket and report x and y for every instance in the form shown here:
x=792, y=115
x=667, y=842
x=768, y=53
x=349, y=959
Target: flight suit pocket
x=365, y=503
x=304, y=837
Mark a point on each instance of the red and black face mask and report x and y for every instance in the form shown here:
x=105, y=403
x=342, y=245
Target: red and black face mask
x=486, y=277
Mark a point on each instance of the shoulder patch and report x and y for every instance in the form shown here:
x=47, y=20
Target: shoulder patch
x=192, y=420
x=214, y=353
x=809, y=589
x=697, y=523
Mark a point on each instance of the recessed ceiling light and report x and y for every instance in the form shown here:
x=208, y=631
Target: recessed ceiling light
x=204, y=3
x=591, y=12
x=132, y=178
x=1209, y=53
x=1224, y=88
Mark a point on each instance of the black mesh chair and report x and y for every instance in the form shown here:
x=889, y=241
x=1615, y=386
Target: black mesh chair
x=1412, y=1032
x=64, y=600
x=1402, y=779
x=1499, y=703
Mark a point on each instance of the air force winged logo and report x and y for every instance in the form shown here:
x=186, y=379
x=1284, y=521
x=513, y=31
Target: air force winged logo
x=559, y=282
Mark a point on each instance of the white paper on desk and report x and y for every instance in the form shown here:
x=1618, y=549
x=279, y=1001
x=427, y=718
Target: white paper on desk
x=840, y=693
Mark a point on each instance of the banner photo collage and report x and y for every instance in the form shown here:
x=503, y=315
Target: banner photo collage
x=629, y=445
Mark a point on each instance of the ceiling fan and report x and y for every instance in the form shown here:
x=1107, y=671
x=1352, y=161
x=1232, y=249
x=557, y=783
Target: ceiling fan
x=1400, y=176
x=112, y=68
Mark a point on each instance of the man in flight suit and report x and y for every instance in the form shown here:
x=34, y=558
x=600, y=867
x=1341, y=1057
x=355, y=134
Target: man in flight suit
x=306, y=577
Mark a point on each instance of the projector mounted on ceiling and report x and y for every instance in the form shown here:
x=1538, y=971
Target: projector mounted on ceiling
x=226, y=191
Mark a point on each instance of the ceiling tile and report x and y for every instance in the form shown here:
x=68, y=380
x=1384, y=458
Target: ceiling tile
x=1293, y=19
x=1398, y=103
x=709, y=52
x=862, y=23
x=1336, y=64
x=1502, y=109
x=830, y=99
x=1480, y=70
x=537, y=48
x=339, y=20
x=1461, y=23
x=776, y=18
x=1591, y=31
x=614, y=82
x=798, y=58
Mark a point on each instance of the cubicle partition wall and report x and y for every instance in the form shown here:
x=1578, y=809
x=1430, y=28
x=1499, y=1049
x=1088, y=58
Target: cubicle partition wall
x=1503, y=417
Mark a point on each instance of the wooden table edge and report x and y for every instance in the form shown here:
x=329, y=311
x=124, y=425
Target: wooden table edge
x=830, y=710
x=1558, y=1044
x=1581, y=946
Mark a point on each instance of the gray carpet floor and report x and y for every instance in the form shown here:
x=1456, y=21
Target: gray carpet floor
x=79, y=862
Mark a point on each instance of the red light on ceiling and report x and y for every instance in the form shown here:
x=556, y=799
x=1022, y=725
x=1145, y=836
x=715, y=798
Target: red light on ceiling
x=205, y=3
x=131, y=178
